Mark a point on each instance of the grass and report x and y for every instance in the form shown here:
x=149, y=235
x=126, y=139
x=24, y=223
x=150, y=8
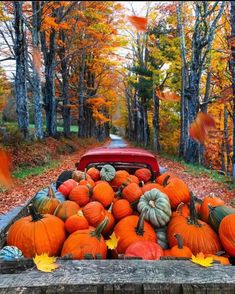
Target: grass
x=23, y=172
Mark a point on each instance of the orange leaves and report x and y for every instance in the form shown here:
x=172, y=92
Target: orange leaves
x=199, y=128
x=140, y=23
x=168, y=96
x=37, y=59
x=5, y=175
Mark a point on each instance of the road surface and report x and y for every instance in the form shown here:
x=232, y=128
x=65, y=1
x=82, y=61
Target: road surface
x=117, y=142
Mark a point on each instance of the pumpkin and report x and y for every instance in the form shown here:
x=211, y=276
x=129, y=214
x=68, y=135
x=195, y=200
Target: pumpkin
x=131, y=229
x=121, y=178
x=147, y=250
x=103, y=193
x=176, y=190
x=88, y=182
x=46, y=203
x=121, y=209
x=167, y=252
x=160, y=179
x=81, y=194
x=80, y=175
x=133, y=179
x=66, y=209
x=64, y=176
x=180, y=250
x=132, y=192
x=157, y=207
x=94, y=212
x=196, y=234
x=107, y=173
x=143, y=174
x=94, y=173
x=209, y=200
x=217, y=213
x=37, y=234
x=162, y=237
x=76, y=222
x=89, y=241
x=149, y=186
x=44, y=192
x=111, y=221
x=227, y=234
x=66, y=187
x=10, y=253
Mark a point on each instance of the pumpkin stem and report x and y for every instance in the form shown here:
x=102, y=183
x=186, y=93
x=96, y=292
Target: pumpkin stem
x=85, y=174
x=140, y=225
x=110, y=208
x=141, y=184
x=165, y=182
x=193, y=214
x=51, y=193
x=33, y=212
x=152, y=203
x=180, y=207
x=97, y=232
x=179, y=240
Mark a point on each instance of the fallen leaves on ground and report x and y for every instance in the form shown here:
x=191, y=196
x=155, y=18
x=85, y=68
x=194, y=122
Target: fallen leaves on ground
x=202, y=260
x=45, y=263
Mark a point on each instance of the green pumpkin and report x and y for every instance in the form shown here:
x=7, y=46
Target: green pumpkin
x=162, y=237
x=46, y=201
x=156, y=206
x=107, y=173
x=217, y=213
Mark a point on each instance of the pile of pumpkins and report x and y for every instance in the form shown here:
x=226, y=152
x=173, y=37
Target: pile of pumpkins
x=150, y=219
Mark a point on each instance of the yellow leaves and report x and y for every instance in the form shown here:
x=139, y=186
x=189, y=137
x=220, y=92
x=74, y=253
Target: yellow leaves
x=45, y=263
x=140, y=23
x=202, y=260
x=5, y=175
x=112, y=242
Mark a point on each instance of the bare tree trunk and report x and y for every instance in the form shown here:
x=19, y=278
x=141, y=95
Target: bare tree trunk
x=81, y=121
x=20, y=77
x=156, y=144
x=232, y=65
x=225, y=139
x=36, y=80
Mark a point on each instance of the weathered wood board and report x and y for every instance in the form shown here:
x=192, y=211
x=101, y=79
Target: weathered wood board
x=121, y=276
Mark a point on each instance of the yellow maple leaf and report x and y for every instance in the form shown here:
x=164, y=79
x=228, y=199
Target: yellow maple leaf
x=45, y=263
x=112, y=242
x=202, y=260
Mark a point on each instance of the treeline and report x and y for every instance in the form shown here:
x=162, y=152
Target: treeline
x=181, y=65
x=64, y=56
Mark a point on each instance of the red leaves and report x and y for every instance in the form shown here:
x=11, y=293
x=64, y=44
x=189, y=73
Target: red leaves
x=5, y=175
x=199, y=128
x=140, y=23
x=168, y=96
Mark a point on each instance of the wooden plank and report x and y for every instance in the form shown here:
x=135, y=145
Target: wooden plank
x=123, y=276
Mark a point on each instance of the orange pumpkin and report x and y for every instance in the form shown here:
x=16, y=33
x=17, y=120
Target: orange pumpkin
x=37, y=234
x=94, y=173
x=160, y=179
x=132, y=192
x=222, y=259
x=227, y=234
x=81, y=194
x=131, y=229
x=66, y=187
x=76, y=222
x=149, y=186
x=94, y=212
x=143, y=174
x=65, y=209
x=133, y=179
x=103, y=193
x=212, y=201
x=121, y=177
x=111, y=221
x=180, y=250
x=89, y=241
x=88, y=182
x=121, y=209
x=196, y=234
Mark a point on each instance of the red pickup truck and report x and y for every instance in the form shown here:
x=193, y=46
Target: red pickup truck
x=128, y=158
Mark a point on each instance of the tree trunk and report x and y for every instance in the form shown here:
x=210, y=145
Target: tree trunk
x=81, y=120
x=20, y=77
x=36, y=81
x=233, y=80
x=156, y=144
x=225, y=139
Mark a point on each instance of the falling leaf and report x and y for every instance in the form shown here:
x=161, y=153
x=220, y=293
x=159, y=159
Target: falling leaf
x=112, y=242
x=168, y=96
x=140, y=23
x=205, y=120
x=202, y=260
x=5, y=175
x=37, y=59
x=45, y=263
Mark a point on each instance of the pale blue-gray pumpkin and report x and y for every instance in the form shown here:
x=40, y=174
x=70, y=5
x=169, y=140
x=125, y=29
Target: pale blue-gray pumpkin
x=107, y=172
x=156, y=206
x=162, y=237
x=10, y=253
